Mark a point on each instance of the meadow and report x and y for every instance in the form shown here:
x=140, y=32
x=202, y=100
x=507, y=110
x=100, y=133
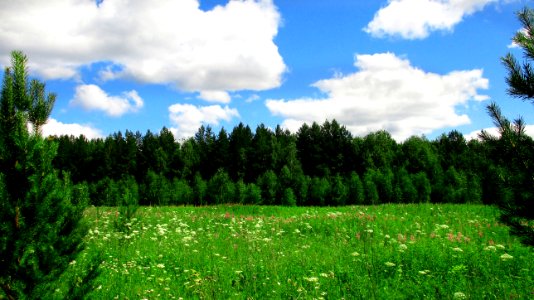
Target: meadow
x=416, y=251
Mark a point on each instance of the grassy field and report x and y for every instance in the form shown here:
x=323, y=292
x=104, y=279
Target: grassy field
x=250, y=252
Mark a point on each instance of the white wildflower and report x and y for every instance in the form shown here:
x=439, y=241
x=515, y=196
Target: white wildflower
x=506, y=257
x=390, y=264
x=459, y=295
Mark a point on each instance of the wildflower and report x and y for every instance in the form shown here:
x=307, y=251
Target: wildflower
x=459, y=295
x=311, y=279
x=402, y=247
x=161, y=266
x=424, y=272
x=369, y=230
x=506, y=257
x=389, y=264
x=501, y=247
x=297, y=231
x=490, y=248
x=387, y=236
x=457, y=249
x=355, y=254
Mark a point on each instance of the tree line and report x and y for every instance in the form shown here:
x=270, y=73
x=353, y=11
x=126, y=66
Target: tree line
x=321, y=164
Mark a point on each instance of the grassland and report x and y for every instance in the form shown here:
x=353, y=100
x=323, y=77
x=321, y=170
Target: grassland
x=250, y=252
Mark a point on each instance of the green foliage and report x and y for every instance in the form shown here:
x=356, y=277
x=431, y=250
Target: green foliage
x=520, y=78
x=371, y=192
x=405, y=251
x=513, y=150
x=319, y=191
x=41, y=211
x=356, y=190
x=268, y=184
x=338, y=191
x=423, y=187
x=221, y=188
x=200, y=188
x=288, y=198
x=253, y=194
x=128, y=203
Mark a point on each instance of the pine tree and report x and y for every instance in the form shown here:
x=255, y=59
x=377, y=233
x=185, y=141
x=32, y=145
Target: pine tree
x=513, y=151
x=41, y=211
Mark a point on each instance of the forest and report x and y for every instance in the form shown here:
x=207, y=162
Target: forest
x=320, y=165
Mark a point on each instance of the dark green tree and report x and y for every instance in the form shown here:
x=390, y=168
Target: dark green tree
x=268, y=183
x=355, y=189
x=520, y=77
x=41, y=211
x=221, y=188
x=514, y=153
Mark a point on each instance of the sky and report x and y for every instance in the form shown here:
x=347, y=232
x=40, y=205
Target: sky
x=410, y=67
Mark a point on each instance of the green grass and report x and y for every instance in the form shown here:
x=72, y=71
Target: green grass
x=251, y=252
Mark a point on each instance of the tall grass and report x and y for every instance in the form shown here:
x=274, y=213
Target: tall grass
x=383, y=252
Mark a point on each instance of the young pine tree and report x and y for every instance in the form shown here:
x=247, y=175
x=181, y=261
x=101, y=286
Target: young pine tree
x=513, y=150
x=41, y=212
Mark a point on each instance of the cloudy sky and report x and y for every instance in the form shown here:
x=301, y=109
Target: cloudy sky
x=411, y=67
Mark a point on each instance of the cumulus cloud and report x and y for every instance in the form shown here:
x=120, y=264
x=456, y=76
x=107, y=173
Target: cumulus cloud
x=92, y=97
x=474, y=135
x=227, y=48
x=188, y=118
x=386, y=93
x=54, y=127
x=415, y=19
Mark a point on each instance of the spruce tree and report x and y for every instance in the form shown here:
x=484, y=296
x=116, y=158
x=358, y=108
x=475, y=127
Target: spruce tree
x=41, y=211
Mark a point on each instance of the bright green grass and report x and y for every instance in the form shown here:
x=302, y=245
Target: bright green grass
x=250, y=252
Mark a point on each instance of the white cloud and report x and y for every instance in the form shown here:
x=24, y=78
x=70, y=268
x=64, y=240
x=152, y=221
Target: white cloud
x=54, y=127
x=513, y=44
x=474, y=135
x=188, y=118
x=386, y=93
x=215, y=96
x=172, y=42
x=415, y=19
x=252, y=98
x=92, y=97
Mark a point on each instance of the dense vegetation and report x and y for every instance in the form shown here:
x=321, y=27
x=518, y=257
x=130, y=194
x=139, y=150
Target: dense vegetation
x=318, y=165
x=41, y=212
x=394, y=251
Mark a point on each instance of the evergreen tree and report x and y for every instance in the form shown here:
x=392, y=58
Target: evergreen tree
x=520, y=78
x=515, y=155
x=41, y=213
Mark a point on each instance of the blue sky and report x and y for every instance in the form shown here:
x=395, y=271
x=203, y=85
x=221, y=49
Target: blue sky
x=411, y=67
